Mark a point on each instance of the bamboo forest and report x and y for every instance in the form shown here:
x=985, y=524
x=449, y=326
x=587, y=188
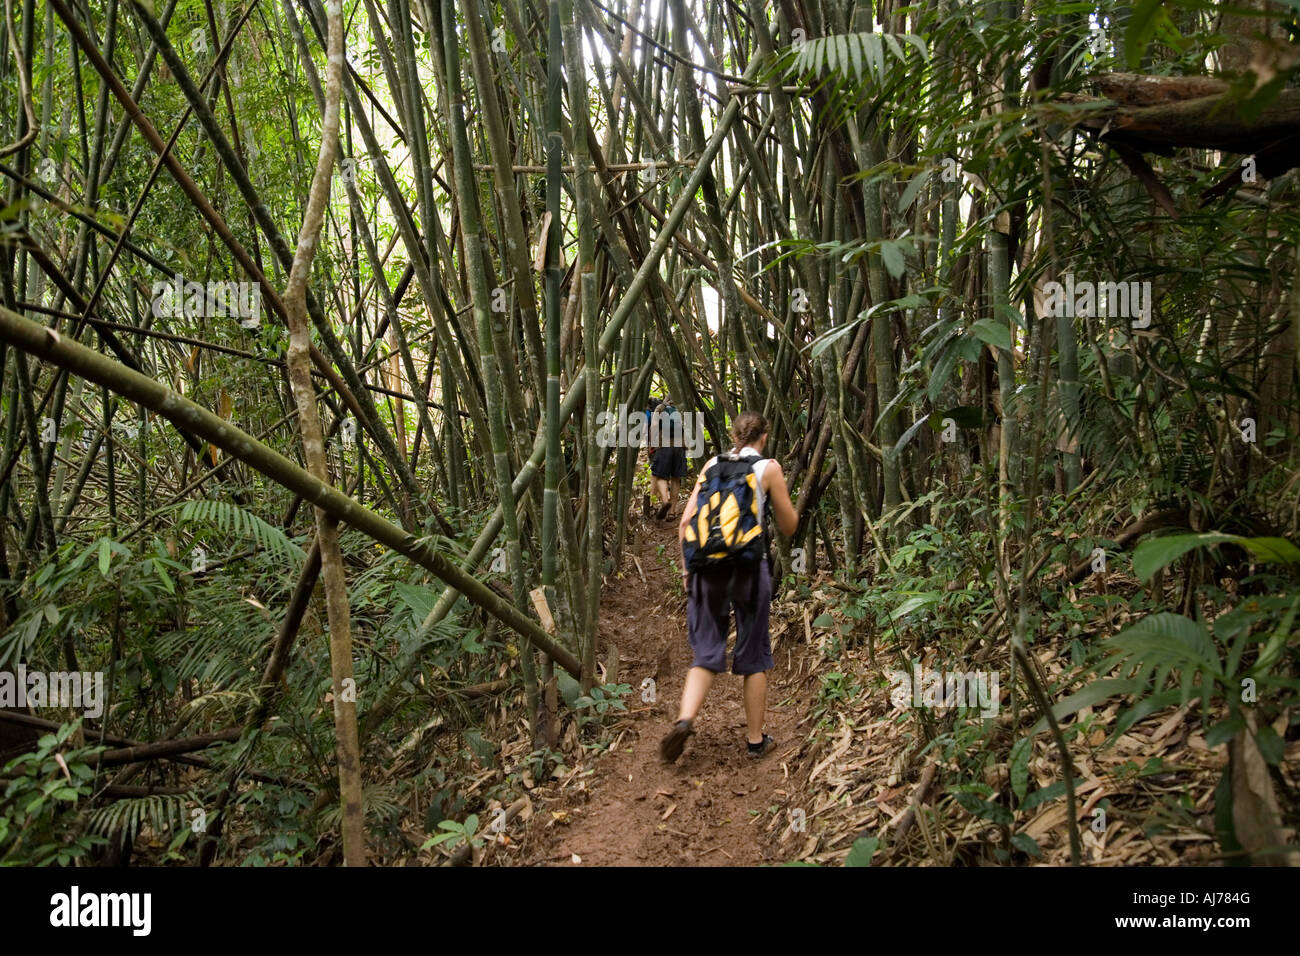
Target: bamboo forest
x=398, y=398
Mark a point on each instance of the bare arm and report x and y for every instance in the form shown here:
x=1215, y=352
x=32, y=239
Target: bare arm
x=689, y=511
x=787, y=520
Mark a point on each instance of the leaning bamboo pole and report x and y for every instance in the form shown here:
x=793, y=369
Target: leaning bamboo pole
x=59, y=350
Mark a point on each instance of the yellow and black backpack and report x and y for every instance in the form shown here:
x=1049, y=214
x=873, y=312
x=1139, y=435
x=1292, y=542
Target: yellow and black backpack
x=726, y=529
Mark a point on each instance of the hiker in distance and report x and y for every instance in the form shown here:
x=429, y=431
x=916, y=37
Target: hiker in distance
x=667, y=454
x=725, y=542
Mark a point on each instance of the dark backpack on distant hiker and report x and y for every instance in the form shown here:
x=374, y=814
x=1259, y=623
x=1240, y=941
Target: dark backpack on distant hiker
x=668, y=434
x=726, y=530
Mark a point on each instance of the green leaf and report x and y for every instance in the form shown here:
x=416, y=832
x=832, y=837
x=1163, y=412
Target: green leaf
x=909, y=193
x=419, y=600
x=965, y=416
x=1271, y=550
x=1044, y=795
x=105, y=555
x=1281, y=634
x=1224, y=826
x=823, y=620
x=1141, y=28
x=870, y=46
x=984, y=808
x=440, y=838
x=1010, y=314
x=231, y=519
x=1026, y=844
x=942, y=373
x=915, y=602
x=1223, y=731
x=1270, y=745
x=864, y=848
x=1155, y=553
x=162, y=576
x=1019, y=766
x=1167, y=640
x=989, y=332
x=892, y=256
x=569, y=688
x=830, y=337
x=1094, y=693
x=912, y=429
x=1143, y=709
x=481, y=747
x=893, y=45
x=918, y=43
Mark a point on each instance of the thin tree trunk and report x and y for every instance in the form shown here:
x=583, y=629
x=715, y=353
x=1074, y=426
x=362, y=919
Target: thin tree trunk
x=347, y=745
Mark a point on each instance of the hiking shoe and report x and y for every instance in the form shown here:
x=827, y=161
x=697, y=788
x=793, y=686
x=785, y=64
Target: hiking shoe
x=664, y=508
x=670, y=748
x=757, y=750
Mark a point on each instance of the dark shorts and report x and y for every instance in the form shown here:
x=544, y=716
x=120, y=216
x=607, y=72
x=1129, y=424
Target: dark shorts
x=708, y=619
x=668, y=463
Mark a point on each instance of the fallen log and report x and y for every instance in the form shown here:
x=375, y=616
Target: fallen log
x=163, y=748
x=1161, y=114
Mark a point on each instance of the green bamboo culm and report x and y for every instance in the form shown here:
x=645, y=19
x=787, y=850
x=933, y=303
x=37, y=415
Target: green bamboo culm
x=584, y=197
x=481, y=295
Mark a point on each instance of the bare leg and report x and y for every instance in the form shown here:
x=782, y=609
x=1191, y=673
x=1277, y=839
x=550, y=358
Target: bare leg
x=698, y=682
x=755, y=706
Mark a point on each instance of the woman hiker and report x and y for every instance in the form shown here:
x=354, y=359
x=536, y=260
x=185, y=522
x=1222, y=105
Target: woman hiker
x=667, y=454
x=744, y=581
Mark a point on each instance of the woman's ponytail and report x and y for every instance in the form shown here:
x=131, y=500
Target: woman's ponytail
x=747, y=429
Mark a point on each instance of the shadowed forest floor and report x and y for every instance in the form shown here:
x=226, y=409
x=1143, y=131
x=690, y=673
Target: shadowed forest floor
x=715, y=805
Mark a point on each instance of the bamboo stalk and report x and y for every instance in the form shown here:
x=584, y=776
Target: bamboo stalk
x=154, y=395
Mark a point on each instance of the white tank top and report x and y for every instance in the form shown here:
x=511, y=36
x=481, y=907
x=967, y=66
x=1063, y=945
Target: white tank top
x=758, y=468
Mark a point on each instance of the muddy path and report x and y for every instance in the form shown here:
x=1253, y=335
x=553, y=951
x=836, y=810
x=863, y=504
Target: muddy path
x=715, y=806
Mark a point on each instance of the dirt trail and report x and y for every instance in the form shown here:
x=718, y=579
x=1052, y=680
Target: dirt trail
x=715, y=806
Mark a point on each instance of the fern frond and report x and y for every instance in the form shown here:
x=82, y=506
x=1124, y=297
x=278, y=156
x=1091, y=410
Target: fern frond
x=161, y=811
x=228, y=518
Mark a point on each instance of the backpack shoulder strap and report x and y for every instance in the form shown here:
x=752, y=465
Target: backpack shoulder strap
x=766, y=519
